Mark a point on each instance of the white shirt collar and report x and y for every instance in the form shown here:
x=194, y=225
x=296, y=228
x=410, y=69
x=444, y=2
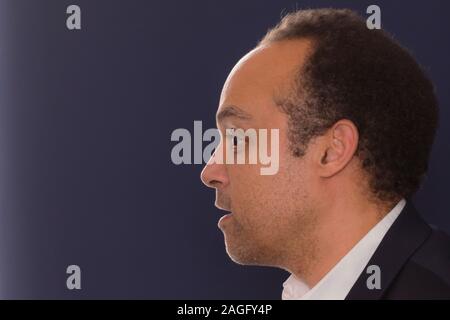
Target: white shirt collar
x=336, y=284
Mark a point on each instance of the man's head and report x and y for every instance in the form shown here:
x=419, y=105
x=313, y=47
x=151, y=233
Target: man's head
x=356, y=119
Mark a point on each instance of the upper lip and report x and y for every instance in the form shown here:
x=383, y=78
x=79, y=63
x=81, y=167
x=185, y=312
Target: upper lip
x=222, y=207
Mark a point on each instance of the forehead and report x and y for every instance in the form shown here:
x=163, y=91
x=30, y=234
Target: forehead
x=262, y=74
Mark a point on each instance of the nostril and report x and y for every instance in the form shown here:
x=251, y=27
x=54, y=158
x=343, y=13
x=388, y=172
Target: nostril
x=207, y=180
x=214, y=176
x=214, y=183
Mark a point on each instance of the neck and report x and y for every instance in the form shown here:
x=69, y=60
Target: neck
x=341, y=224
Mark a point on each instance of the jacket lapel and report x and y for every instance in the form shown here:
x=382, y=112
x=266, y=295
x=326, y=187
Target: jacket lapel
x=407, y=233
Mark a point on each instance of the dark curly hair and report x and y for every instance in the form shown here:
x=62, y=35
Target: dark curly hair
x=364, y=76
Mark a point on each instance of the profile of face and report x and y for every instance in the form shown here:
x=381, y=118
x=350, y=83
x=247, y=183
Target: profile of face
x=269, y=214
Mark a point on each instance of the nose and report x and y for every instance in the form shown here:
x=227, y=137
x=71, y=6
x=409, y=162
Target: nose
x=214, y=175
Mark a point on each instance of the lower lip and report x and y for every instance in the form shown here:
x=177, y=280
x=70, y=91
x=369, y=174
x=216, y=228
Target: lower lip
x=225, y=218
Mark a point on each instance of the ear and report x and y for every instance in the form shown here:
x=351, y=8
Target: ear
x=337, y=148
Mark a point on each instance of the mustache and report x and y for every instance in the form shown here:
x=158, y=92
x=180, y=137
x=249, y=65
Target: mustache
x=223, y=201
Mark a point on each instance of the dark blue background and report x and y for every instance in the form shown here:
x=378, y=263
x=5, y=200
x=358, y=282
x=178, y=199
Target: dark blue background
x=85, y=123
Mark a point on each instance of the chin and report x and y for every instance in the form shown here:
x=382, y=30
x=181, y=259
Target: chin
x=244, y=255
x=238, y=254
x=244, y=261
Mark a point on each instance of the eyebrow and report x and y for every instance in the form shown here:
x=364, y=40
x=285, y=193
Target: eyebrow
x=232, y=111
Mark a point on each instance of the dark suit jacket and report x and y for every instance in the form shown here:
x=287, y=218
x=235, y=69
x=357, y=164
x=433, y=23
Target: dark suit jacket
x=414, y=262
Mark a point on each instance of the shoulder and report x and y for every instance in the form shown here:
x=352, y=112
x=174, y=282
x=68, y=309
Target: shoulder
x=426, y=274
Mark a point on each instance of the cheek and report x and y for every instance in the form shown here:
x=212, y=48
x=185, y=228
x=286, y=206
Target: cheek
x=243, y=178
x=255, y=199
x=245, y=190
x=269, y=202
x=267, y=199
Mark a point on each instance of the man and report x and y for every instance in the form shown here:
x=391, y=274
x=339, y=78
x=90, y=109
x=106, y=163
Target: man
x=356, y=118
